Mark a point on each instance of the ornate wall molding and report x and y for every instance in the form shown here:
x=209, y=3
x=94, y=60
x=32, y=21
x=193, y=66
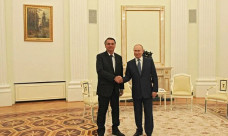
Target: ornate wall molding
x=159, y=54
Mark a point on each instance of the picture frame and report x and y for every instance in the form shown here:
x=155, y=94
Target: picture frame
x=38, y=23
x=223, y=85
x=155, y=16
x=86, y=88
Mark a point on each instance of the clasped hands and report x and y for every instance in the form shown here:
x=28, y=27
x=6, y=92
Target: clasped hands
x=118, y=79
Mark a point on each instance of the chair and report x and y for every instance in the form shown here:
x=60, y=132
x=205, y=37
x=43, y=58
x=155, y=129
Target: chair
x=182, y=88
x=89, y=98
x=220, y=95
x=127, y=93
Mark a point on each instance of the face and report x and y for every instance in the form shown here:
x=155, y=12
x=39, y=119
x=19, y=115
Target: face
x=138, y=51
x=110, y=46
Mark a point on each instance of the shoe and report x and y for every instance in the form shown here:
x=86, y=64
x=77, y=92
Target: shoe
x=100, y=133
x=117, y=133
x=137, y=133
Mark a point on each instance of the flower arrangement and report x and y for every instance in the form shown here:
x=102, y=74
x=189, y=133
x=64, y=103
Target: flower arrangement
x=147, y=54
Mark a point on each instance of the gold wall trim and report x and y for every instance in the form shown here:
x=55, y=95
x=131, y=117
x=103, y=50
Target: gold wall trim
x=128, y=8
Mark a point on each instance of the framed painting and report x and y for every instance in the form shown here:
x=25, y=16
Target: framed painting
x=223, y=85
x=38, y=23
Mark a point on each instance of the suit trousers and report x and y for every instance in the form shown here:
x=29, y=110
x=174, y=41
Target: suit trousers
x=102, y=110
x=138, y=105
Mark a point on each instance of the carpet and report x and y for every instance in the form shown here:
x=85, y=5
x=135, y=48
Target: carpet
x=177, y=122
x=70, y=122
x=218, y=109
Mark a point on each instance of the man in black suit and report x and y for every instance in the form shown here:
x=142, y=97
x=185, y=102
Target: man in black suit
x=143, y=73
x=109, y=66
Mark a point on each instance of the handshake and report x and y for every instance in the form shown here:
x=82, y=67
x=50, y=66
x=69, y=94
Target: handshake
x=118, y=79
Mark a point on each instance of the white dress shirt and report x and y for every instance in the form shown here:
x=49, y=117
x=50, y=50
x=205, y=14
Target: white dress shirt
x=113, y=61
x=141, y=61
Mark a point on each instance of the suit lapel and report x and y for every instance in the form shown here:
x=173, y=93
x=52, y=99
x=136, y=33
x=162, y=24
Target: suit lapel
x=116, y=59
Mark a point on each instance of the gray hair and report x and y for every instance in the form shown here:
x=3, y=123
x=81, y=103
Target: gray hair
x=138, y=45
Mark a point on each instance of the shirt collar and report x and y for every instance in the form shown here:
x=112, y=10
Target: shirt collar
x=141, y=59
x=112, y=54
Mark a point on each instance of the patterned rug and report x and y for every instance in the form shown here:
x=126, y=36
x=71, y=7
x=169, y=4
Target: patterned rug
x=178, y=122
x=70, y=122
x=218, y=109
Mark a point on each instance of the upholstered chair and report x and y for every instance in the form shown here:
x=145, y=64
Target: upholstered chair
x=89, y=98
x=181, y=87
x=220, y=93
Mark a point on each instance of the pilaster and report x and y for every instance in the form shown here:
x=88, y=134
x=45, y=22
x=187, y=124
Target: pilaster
x=5, y=91
x=207, y=47
x=106, y=10
x=179, y=36
x=78, y=48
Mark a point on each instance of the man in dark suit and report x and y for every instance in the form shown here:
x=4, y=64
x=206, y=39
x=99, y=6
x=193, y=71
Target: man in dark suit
x=109, y=66
x=143, y=74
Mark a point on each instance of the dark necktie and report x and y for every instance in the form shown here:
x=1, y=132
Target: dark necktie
x=139, y=66
x=112, y=61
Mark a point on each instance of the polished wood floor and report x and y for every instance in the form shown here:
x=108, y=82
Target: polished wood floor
x=56, y=104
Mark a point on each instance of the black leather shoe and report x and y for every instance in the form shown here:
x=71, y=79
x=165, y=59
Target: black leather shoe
x=100, y=133
x=137, y=133
x=117, y=133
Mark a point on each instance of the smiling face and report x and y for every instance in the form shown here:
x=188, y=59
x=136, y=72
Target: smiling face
x=138, y=51
x=110, y=46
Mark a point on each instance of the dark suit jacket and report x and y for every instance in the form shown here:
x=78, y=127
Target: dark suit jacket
x=142, y=85
x=106, y=74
